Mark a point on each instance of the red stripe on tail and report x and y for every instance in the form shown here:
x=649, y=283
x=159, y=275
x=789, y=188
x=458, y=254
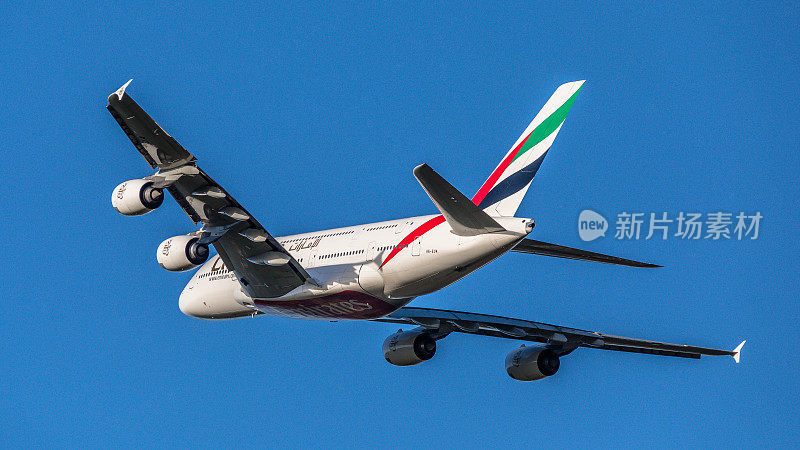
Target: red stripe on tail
x=489, y=184
x=419, y=231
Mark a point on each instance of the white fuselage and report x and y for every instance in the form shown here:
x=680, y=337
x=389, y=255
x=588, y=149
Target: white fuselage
x=360, y=272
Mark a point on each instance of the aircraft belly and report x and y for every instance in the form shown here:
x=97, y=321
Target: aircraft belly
x=347, y=292
x=344, y=305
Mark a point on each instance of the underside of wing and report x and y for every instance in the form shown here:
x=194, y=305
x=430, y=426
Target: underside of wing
x=264, y=268
x=157, y=147
x=561, y=339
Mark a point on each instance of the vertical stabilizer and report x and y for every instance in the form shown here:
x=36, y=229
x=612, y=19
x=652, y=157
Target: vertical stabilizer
x=503, y=192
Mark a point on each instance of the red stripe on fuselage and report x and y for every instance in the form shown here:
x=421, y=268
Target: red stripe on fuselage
x=419, y=231
x=489, y=184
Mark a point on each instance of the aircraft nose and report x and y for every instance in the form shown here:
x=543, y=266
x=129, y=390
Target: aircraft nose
x=191, y=304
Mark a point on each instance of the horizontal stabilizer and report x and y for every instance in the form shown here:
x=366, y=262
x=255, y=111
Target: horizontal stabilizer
x=461, y=214
x=559, y=251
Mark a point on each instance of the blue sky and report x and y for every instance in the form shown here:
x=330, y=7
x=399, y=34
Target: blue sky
x=313, y=116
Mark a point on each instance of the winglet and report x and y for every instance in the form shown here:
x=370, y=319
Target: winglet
x=737, y=351
x=121, y=91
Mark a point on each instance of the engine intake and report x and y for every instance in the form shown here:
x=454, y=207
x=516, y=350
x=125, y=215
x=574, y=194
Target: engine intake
x=531, y=363
x=406, y=348
x=136, y=197
x=181, y=253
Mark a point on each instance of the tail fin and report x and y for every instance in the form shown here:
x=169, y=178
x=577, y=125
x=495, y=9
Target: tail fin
x=502, y=193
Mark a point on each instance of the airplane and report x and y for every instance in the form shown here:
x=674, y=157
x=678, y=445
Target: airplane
x=370, y=271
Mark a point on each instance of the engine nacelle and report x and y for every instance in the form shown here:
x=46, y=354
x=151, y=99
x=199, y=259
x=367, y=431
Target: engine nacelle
x=531, y=363
x=181, y=253
x=406, y=348
x=136, y=197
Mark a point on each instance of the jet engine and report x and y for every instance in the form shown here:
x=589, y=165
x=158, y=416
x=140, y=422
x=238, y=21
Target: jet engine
x=136, y=197
x=531, y=363
x=406, y=348
x=181, y=253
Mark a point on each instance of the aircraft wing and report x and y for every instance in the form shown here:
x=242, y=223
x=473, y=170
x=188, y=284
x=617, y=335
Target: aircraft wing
x=264, y=268
x=562, y=339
